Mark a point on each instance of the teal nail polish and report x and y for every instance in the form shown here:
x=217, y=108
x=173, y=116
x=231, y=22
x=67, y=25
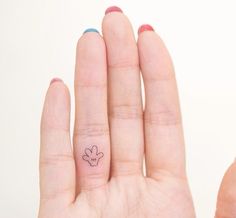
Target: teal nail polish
x=89, y=30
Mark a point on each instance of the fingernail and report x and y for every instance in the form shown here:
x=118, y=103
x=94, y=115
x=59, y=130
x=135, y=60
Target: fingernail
x=145, y=27
x=113, y=9
x=91, y=30
x=55, y=80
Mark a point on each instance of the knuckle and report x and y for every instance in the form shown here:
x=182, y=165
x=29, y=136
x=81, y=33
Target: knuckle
x=93, y=181
x=159, y=173
x=124, y=64
x=90, y=130
x=125, y=167
x=160, y=77
x=126, y=111
x=163, y=118
x=55, y=159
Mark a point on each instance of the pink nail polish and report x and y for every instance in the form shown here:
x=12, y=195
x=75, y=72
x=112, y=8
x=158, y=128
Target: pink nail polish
x=55, y=80
x=113, y=9
x=145, y=27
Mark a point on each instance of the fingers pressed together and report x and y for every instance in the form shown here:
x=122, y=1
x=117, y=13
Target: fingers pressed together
x=112, y=131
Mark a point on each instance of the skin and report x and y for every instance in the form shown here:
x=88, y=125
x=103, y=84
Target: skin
x=109, y=115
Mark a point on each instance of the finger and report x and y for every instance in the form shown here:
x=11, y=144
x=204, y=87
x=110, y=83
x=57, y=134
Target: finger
x=226, y=203
x=125, y=104
x=163, y=130
x=57, y=168
x=91, y=121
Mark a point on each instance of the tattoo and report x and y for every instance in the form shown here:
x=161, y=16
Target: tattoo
x=92, y=156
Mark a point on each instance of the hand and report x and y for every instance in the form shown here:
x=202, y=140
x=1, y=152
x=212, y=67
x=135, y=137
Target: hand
x=102, y=176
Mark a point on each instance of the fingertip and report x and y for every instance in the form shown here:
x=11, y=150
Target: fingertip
x=153, y=53
x=119, y=38
x=56, y=108
x=57, y=88
x=113, y=9
x=90, y=38
x=90, y=60
x=90, y=41
x=91, y=30
x=144, y=28
x=116, y=24
x=55, y=79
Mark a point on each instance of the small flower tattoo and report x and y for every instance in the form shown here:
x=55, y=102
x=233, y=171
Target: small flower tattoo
x=92, y=156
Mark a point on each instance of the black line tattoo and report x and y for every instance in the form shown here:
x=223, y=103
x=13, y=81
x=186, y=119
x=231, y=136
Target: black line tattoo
x=92, y=156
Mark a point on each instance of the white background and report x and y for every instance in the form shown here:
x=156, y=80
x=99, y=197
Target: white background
x=37, y=42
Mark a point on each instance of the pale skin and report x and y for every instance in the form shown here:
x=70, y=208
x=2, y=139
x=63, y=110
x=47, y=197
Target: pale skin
x=100, y=173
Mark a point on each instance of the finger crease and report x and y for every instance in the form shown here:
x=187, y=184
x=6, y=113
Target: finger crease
x=56, y=159
x=92, y=130
x=126, y=112
x=162, y=118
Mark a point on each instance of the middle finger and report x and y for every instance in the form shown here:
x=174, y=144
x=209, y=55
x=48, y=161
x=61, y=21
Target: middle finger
x=124, y=94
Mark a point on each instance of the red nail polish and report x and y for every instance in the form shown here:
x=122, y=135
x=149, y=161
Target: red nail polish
x=145, y=27
x=113, y=9
x=55, y=80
